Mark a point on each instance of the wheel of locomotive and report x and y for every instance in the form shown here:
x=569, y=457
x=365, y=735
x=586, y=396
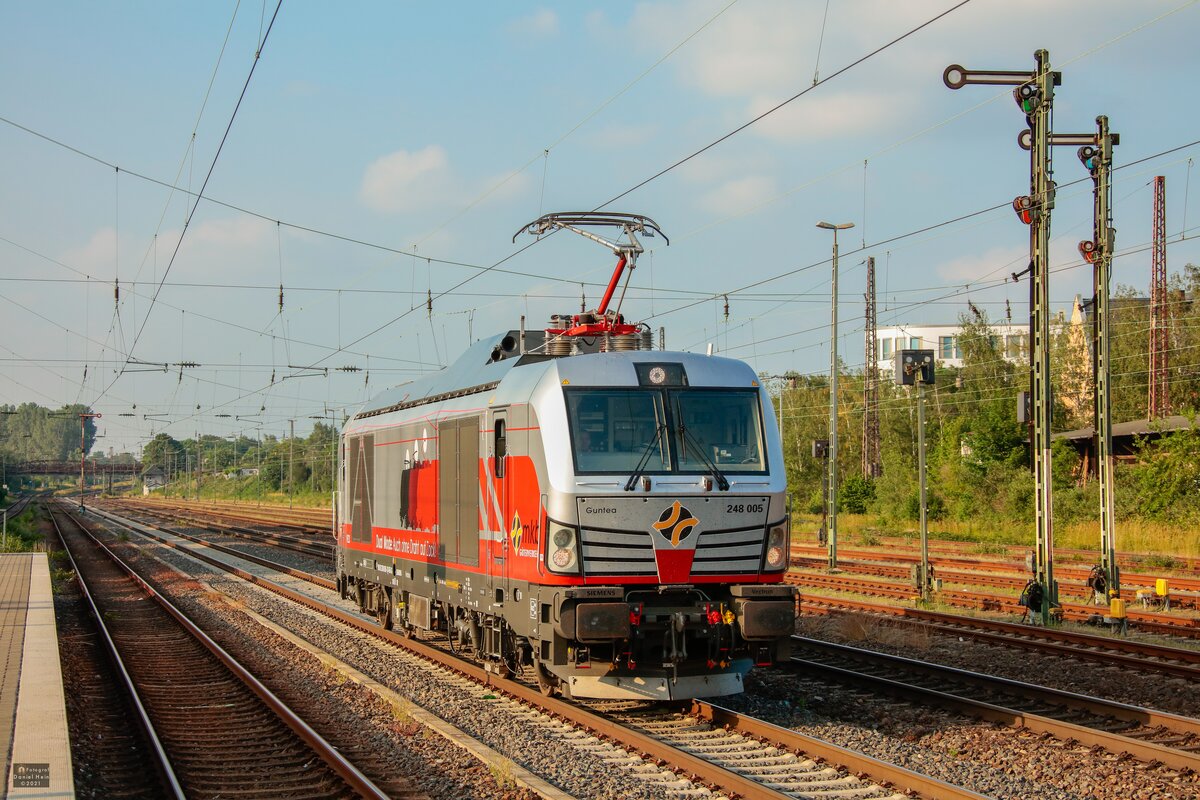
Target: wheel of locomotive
x=546, y=681
x=383, y=608
x=399, y=621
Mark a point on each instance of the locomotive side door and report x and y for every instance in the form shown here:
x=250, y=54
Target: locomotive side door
x=502, y=505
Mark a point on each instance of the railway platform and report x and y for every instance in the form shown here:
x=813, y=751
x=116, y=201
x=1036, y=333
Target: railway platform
x=33, y=712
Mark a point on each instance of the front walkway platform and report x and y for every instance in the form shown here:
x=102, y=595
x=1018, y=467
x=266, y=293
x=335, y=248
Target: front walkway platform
x=33, y=712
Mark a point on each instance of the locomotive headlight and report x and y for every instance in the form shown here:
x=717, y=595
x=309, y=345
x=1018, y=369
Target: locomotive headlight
x=563, y=549
x=777, y=547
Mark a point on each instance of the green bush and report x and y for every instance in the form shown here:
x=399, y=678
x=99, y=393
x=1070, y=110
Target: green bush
x=934, y=505
x=855, y=494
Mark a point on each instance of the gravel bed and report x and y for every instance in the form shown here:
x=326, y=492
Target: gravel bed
x=568, y=759
x=1151, y=690
x=994, y=760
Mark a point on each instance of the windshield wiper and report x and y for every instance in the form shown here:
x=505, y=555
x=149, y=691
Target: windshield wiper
x=637, y=471
x=722, y=483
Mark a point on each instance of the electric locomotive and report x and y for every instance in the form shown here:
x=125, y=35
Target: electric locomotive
x=574, y=502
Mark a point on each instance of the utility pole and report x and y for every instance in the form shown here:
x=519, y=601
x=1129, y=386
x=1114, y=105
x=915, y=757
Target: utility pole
x=872, y=467
x=1159, y=402
x=1097, y=158
x=291, y=463
x=833, y=395
x=83, y=418
x=1034, y=93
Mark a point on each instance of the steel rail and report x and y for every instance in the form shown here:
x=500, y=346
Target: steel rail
x=249, y=534
x=324, y=583
x=322, y=748
x=1113, y=742
x=1146, y=621
x=682, y=761
x=858, y=763
x=163, y=761
x=1126, y=558
x=1126, y=653
x=866, y=561
x=304, y=528
x=293, y=518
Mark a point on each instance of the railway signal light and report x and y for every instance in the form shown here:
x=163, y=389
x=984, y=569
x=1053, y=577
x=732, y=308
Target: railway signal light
x=1028, y=97
x=1089, y=156
x=1023, y=205
x=1087, y=249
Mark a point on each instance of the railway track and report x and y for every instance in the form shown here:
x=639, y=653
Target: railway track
x=1144, y=620
x=979, y=572
x=763, y=760
x=894, y=546
x=312, y=520
x=1131, y=654
x=299, y=544
x=1151, y=736
x=219, y=732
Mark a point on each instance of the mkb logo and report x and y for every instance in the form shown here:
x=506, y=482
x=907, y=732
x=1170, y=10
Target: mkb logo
x=517, y=532
x=675, y=523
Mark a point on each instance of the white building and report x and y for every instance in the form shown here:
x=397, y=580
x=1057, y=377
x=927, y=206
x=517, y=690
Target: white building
x=1012, y=340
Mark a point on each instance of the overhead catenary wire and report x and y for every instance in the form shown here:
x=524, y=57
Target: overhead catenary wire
x=200, y=194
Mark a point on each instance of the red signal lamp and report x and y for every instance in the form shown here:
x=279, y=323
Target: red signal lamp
x=1023, y=205
x=1087, y=249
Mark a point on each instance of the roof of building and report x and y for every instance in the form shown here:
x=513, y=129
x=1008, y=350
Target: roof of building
x=1138, y=427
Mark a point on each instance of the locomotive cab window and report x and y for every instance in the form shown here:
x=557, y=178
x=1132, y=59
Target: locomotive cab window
x=612, y=429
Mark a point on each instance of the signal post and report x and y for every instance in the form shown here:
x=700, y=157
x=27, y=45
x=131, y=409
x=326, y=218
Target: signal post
x=1034, y=93
x=1097, y=156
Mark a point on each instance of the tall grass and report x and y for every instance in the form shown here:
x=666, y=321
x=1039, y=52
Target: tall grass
x=248, y=490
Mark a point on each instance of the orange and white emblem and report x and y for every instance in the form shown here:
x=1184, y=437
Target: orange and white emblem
x=517, y=532
x=675, y=523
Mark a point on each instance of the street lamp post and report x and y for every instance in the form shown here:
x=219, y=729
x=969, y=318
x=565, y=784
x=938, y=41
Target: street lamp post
x=833, y=391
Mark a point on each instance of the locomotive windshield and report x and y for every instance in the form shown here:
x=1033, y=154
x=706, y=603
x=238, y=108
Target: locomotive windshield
x=611, y=430
x=722, y=425
x=676, y=430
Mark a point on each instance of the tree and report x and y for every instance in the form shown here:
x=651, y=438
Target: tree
x=165, y=453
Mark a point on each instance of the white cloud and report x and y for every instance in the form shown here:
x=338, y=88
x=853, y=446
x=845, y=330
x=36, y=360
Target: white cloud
x=543, y=22
x=996, y=263
x=765, y=52
x=425, y=179
x=740, y=194
x=755, y=48
x=97, y=254
x=406, y=181
x=826, y=116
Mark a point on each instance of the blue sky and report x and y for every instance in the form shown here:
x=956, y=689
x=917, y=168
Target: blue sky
x=426, y=126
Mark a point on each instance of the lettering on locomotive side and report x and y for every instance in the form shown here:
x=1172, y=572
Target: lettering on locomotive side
x=408, y=547
x=599, y=510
